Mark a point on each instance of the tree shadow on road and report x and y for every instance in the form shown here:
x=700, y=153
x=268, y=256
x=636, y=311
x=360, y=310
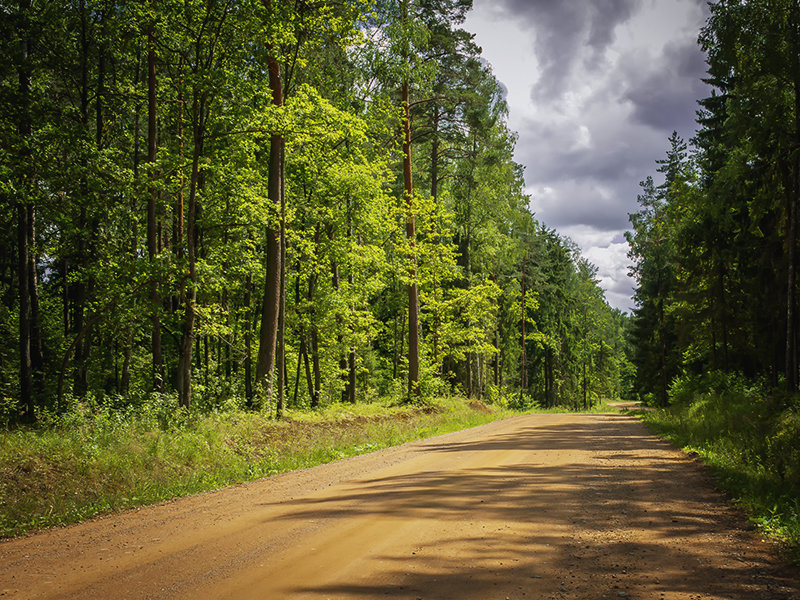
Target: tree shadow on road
x=593, y=506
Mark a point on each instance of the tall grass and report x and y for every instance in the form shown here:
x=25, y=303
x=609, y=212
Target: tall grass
x=751, y=440
x=94, y=459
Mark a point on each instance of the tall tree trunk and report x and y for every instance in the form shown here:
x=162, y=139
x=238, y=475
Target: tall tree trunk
x=524, y=378
x=315, y=367
x=297, y=374
x=281, y=338
x=30, y=343
x=125, y=378
x=395, y=339
x=190, y=295
x=790, y=366
x=585, y=352
x=413, y=291
x=248, y=348
x=314, y=391
x=265, y=364
x=205, y=360
x=79, y=289
x=435, y=155
x=25, y=366
x=180, y=209
x=37, y=346
x=792, y=192
x=479, y=365
x=152, y=224
x=307, y=366
x=134, y=234
x=497, y=357
x=350, y=388
x=723, y=315
x=585, y=386
x=66, y=292
x=24, y=130
x=339, y=329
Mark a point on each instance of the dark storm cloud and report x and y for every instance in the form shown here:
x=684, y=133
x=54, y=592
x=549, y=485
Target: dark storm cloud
x=656, y=93
x=615, y=154
x=583, y=203
x=664, y=93
x=607, y=81
x=567, y=31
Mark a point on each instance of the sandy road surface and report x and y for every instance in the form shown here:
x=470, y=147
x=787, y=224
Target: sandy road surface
x=543, y=506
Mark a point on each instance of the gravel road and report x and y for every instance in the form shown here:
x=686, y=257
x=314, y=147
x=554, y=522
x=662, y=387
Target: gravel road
x=537, y=506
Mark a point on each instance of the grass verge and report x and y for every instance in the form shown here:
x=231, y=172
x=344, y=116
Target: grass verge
x=91, y=462
x=751, y=448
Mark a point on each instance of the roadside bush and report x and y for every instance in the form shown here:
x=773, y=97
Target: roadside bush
x=749, y=435
x=784, y=447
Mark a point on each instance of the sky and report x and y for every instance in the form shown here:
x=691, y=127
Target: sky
x=594, y=89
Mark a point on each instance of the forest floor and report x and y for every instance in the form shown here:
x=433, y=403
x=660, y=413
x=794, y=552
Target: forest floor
x=552, y=506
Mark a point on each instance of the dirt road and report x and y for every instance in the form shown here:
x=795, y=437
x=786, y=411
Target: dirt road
x=543, y=506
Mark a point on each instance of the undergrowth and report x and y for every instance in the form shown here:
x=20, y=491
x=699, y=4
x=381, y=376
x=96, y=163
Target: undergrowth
x=93, y=459
x=751, y=440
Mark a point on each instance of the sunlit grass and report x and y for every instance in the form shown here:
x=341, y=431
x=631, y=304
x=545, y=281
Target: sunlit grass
x=85, y=463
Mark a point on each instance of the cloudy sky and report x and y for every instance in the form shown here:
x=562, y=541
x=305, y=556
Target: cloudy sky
x=595, y=88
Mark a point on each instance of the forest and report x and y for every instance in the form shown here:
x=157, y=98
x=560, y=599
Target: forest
x=267, y=204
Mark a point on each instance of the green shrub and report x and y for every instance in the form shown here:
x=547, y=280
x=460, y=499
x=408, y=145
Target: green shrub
x=749, y=436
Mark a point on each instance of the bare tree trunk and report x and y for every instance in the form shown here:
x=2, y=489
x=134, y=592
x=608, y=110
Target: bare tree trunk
x=792, y=191
x=497, y=357
x=152, y=224
x=317, y=387
x=248, y=350
x=265, y=364
x=395, y=350
x=134, y=234
x=297, y=373
x=413, y=291
x=281, y=339
x=339, y=329
x=524, y=381
x=585, y=386
x=25, y=365
x=179, y=210
x=307, y=367
x=190, y=297
x=351, y=356
x=468, y=374
x=435, y=156
x=79, y=289
x=37, y=347
x=23, y=214
x=125, y=379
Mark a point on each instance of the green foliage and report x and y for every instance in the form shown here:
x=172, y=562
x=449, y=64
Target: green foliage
x=74, y=128
x=715, y=245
